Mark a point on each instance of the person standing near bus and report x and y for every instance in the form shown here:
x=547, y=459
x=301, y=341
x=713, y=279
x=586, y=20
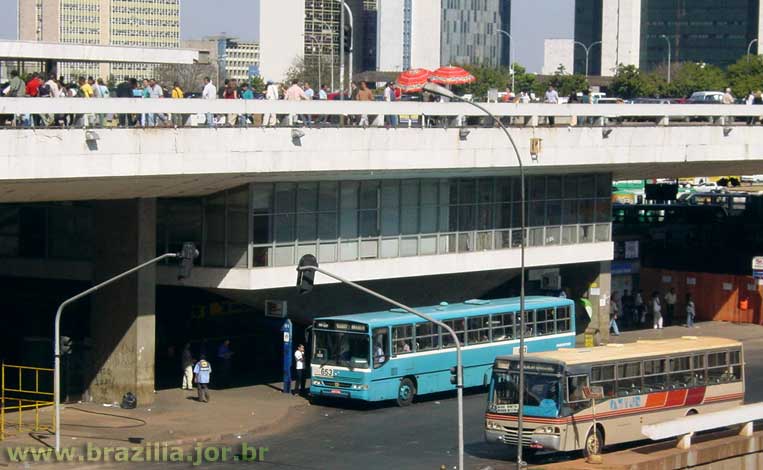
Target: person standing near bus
x=299, y=361
x=690, y=312
x=202, y=370
x=614, y=311
x=670, y=306
x=640, y=307
x=657, y=310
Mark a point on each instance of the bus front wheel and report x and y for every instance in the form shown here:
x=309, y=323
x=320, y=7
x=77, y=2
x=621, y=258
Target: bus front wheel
x=594, y=443
x=405, y=392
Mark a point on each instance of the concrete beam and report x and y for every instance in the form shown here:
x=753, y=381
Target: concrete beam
x=41, y=51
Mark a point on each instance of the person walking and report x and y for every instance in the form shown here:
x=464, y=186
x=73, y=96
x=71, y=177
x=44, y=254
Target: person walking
x=209, y=93
x=299, y=365
x=670, y=306
x=177, y=94
x=656, y=311
x=225, y=355
x=230, y=92
x=640, y=308
x=552, y=97
x=246, y=94
x=202, y=372
x=364, y=94
x=389, y=96
x=614, y=312
x=294, y=93
x=271, y=94
x=310, y=94
x=155, y=91
x=728, y=97
x=690, y=311
x=186, y=363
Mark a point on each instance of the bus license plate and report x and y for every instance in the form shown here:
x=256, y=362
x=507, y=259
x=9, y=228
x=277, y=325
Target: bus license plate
x=336, y=392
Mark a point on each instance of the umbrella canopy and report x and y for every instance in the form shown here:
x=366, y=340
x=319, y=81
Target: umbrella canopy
x=412, y=81
x=452, y=75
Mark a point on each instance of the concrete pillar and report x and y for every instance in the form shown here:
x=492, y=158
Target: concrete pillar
x=122, y=321
x=599, y=294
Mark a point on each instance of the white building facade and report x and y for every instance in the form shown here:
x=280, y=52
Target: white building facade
x=409, y=35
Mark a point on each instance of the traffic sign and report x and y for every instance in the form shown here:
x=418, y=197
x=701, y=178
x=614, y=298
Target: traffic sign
x=757, y=274
x=757, y=263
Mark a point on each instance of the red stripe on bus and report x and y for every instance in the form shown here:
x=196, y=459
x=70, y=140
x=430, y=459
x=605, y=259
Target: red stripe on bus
x=656, y=400
x=676, y=398
x=695, y=396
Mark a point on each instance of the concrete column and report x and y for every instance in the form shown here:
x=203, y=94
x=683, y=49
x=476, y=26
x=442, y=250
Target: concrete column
x=122, y=322
x=599, y=294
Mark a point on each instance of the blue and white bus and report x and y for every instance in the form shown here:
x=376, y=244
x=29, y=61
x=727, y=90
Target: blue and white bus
x=394, y=355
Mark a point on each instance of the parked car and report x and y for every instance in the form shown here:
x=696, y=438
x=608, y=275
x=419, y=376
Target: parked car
x=705, y=97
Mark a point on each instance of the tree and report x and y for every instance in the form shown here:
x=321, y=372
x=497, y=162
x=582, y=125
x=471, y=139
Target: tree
x=564, y=83
x=689, y=77
x=630, y=82
x=258, y=84
x=190, y=76
x=307, y=71
x=746, y=75
x=487, y=77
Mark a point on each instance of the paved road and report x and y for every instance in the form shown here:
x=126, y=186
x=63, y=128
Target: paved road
x=422, y=436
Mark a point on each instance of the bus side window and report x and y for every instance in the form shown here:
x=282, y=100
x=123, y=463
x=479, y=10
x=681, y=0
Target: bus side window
x=575, y=386
x=380, y=346
x=655, y=377
x=402, y=339
x=563, y=321
x=502, y=326
x=698, y=366
x=735, y=368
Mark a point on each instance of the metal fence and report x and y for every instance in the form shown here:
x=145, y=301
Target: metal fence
x=26, y=399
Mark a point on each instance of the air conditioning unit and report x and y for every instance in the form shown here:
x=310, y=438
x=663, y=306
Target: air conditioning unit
x=551, y=282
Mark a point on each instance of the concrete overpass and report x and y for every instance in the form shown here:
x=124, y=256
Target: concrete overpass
x=411, y=209
x=60, y=52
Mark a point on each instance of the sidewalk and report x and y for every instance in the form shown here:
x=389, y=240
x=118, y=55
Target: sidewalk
x=175, y=418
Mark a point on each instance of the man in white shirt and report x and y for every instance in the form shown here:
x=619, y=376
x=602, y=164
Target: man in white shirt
x=389, y=96
x=552, y=97
x=209, y=93
x=53, y=92
x=670, y=306
x=299, y=364
x=271, y=94
x=310, y=94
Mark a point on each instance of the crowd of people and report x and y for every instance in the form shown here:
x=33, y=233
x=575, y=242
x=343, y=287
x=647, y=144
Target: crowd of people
x=632, y=310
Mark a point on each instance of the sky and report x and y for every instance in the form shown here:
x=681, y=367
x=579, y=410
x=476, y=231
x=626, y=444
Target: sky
x=532, y=21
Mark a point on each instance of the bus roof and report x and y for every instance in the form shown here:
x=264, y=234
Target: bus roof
x=446, y=310
x=623, y=351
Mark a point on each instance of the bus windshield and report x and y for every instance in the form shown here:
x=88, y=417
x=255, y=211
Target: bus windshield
x=341, y=349
x=541, y=394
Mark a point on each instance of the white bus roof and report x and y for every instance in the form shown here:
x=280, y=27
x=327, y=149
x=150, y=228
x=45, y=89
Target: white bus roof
x=624, y=351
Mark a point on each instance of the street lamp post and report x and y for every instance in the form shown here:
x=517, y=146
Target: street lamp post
x=187, y=255
x=749, y=49
x=511, y=58
x=442, y=91
x=669, y=53
x=320, y=58
x=587, y=50
x=309, y=264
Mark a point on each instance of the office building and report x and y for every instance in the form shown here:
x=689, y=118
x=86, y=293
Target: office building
x=148, y=23
x=470, y=32
x=637, y=32
x=234, y=58
x=408, y=35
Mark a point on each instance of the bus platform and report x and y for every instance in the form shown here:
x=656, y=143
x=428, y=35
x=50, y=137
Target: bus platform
x=175, y=418
x=723, y=450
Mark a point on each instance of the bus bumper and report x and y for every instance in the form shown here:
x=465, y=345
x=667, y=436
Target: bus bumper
x=530, y=440
x=333, y=392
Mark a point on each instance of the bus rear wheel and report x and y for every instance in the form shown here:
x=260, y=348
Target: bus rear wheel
x=405, y=392
x=594, y=443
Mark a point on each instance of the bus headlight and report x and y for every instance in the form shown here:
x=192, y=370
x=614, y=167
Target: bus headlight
x=316, y=382
x=547, y=430
x=360, y=387
x=493, y=426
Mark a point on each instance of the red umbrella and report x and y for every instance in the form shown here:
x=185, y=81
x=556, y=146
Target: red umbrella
x=412, y=81
x=452, y=75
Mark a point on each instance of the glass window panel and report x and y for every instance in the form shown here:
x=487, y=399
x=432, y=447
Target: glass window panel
x=262, y=196
x=349, y=194
x=484, y=241
x=467, y=191
x=654, y=383
x=390, y=221
x=654, y=366
x=214, y=254
x=390, y=194
x=284, y=255
x=327, y=226
x=485, y=217
x=458, y=327
x=554, y=212
x=716, y=359
x=553, y=235
x=569, y=235
x=602, y=232
x=306, y=227
x=466, y=217
x=307, y=197
x=603, y=185
x=348, y=224
x=569, y=212
x=327, y=196
x=554, y=187
x=586, y=211
x=503, y=189
x=238, y=227
x=410, y=220
x=429, y=192
x=570, y=187
x=427, y=336
x=349, y=251
x=238, y=198
x=369, y=194
x=586, y=186
x=485, y=190
x=465, y=242
x=536, y=236
x=516, y=188
x=285, y=197
x=448, y=192
x=428, y=219
x=369, y=224
x=410, y=193
x=327, y=252
x=284, y=228
x=537, y=188
x=536, y=214
x=516, y=214
x=428, y=245
x=502, y=326
x=503, y=216
x=402, y=339
x=390, y=247
x=369, y=249
x=603, y=210
x=261, y=256
x=409, y=247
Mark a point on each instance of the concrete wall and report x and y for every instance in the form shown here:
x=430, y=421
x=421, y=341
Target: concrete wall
x=282, y=40
x=558, y=52
x=122, y=321
x=621, y=35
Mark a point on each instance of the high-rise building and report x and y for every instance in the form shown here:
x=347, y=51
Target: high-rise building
x=233, y=58
x=470, y=32
x=638, y=32
x=408, y=35
x=147, y=23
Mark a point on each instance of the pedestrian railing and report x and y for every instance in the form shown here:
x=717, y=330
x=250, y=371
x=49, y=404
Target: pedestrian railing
x=26, y=399
x=379, y=113
x=684, y=428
